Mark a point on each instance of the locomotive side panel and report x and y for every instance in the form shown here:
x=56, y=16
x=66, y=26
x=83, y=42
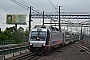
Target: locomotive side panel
x=57, y=38
x=43, y=39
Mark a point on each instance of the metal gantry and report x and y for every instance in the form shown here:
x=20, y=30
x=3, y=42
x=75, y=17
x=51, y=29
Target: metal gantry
x=63, y=15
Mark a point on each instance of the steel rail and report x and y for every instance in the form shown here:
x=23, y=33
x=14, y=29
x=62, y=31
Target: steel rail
x=83, y=47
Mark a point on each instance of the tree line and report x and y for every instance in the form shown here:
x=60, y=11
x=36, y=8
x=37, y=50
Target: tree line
x=13, y=35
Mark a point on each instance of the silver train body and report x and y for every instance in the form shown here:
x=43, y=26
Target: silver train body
x=43, y=38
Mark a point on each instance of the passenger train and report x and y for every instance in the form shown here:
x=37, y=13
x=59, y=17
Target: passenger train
x=43, y=38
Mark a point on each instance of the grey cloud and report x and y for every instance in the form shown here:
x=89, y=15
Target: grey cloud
x=68, y=6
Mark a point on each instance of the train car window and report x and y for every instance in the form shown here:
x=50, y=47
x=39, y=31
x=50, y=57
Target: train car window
x=52, y=28
x=57, y=29
x=67, y=33
x=72, y=34
x=66, y=39
x=43, y=34
x=43, y=27
x=35, y=26
x=34, y=33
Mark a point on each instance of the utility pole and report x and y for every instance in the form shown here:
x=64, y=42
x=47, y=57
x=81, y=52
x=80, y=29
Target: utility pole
x=16, y=27
x=43, y=17
x=30, y=20
x=59, y=20
x=81, y=38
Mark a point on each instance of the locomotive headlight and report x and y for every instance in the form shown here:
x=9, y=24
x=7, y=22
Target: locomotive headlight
x=31, y=39
x=43, y=44
x=30, y=44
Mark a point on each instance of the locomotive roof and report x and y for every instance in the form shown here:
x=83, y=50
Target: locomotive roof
x=47, y=27
x=42, y=29
x=51, y=28
x=41, y=26
x=63, y=30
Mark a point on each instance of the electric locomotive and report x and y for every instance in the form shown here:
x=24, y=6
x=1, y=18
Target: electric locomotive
x=44, y=38
x=39, y=39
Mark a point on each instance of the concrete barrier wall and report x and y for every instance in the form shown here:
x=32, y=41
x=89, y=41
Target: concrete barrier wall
x=14, y=54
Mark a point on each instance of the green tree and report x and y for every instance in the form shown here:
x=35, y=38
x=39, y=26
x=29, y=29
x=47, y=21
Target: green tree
x=26, y=32
x=16, y=36
x=20, y=34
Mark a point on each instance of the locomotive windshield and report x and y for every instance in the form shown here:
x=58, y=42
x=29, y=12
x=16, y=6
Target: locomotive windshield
x=38, y=35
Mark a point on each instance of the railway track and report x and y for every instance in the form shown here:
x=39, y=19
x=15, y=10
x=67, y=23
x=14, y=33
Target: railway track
x=30, y=56
x=23, y=57
x=35, y=56
x=83, y=47
x=27, y=57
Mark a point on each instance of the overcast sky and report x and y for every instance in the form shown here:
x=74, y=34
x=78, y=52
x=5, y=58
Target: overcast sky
x=8, y=7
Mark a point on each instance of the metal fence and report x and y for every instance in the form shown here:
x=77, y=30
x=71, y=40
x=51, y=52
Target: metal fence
x=13, y=50
x=5, y=42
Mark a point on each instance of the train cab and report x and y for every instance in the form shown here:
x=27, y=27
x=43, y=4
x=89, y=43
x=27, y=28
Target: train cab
x=39, y=39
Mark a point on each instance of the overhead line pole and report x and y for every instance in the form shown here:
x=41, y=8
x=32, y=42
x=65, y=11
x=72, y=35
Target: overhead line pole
x=59, y=20
x=30, y=20
x=43, y=17
x=81, y=34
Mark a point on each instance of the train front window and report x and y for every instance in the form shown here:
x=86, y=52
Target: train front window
x=38, y=35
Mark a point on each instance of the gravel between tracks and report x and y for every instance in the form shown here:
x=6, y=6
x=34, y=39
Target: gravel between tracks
x=69, y=52
x=85, y=43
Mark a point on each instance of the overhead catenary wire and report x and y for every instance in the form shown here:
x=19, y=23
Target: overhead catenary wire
x=34, y=9
x=25, y=5
x=24, y=2
x=52, y=4
x=20, y=4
